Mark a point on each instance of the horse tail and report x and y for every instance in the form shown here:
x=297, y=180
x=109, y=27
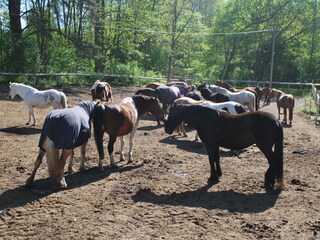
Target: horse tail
x=97, y=119
x=52, y=158
x=278, y=149
x=256, y=101
x=63, y=101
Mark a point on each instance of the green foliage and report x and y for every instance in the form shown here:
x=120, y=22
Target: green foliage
x=149, y=38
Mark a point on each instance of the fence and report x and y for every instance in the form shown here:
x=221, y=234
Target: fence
x=139, y=80
x=316, y=99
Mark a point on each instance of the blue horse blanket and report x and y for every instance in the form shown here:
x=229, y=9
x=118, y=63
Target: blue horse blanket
x=68, y=128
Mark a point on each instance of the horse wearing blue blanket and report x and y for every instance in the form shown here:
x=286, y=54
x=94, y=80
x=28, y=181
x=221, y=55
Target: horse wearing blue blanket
x=63, y=129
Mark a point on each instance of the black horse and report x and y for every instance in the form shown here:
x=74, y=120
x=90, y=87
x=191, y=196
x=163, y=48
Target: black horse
x=214, y=97
x=220, y=129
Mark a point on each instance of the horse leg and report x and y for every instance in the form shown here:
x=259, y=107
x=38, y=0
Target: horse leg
x=269, y=177
x=213, y=153
x=113, y=163
x=83, y=156
x=30, y=114
x=278, y=113
x=70, y=166
x=285, y=115
x=36, y=166
x=122, y=157
x=131, y=143
x=33, y=116
x=62, y=162
x=290, y=115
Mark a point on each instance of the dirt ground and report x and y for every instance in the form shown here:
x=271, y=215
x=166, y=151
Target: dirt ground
x=163, y=194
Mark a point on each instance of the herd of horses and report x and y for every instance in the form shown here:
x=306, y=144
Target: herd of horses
x=222, y=115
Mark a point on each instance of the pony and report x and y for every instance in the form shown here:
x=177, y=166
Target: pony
x=121, y=119
x=154, y=85
x=63, y=130
x=148, y=92
x=245, y=98
x=217, y=128
x=265, y=92
x=285, y=101
x=34, y=98
x=167, y=95
x=230, y=107
x=214, y=97
x=227, y=86
x=101, y=91
x=195, y=95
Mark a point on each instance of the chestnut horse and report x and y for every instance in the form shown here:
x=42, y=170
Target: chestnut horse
x=227, y=86
x=217, y=128
x=62, y=131
x=121, y=119
x=101, y=91
x=285, y=101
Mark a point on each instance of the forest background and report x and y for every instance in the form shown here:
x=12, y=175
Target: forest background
x=182, y=39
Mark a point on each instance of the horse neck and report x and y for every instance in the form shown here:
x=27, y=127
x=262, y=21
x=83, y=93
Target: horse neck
x=24, y=91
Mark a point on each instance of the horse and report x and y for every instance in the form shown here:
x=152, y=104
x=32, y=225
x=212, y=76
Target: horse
x=265, y=92
x=245, y=98
x=121, y=119
x=148, y=92
x=154, y=85
x=195, y=95
x=219, y=129
x=227, y=86
x=63, y=130
x=230, y=107
x=34, y=98
x=214, y=97
x=167, y=95
x=285, y=101
x=101, y=91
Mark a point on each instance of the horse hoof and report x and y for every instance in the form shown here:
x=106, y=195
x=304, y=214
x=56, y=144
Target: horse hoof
x=114, y=166
x=212, y=181
x=29, y=182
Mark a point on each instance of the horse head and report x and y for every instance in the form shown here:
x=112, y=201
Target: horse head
x=12, y=90
x=174, y=118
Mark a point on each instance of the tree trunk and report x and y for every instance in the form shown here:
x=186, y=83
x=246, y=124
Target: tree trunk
x=15, y=21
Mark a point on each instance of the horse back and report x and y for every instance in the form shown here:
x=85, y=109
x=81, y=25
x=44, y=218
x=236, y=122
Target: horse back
x=119, y=119
x=286, y=101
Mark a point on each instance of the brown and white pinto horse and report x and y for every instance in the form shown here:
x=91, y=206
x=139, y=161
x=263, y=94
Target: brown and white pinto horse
x=101, y=91
x=121, y=119
x=285, y=101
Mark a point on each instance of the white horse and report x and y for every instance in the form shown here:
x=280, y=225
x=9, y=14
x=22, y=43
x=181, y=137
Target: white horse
x=32, y=97
x=245, y=98
x=229, y=106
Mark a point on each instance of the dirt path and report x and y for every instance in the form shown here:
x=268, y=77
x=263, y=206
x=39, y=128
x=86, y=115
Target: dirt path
x=163, y=194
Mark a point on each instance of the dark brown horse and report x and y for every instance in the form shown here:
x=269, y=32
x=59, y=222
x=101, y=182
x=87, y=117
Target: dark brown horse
x=101, y=91
x=121, y=119
x=219, y=129
x=285, y=101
